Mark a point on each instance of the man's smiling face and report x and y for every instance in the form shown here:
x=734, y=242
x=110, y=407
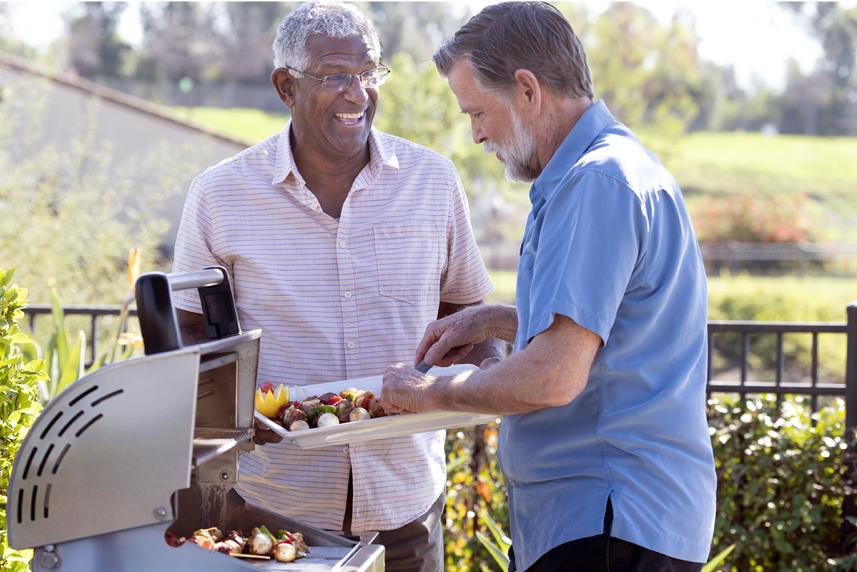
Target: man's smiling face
x=335, y=123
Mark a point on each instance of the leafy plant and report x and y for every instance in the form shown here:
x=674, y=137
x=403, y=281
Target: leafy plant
x=20, y=372
x=499, y=547
x=66, y=355
x=712, y=566
x=781, y=482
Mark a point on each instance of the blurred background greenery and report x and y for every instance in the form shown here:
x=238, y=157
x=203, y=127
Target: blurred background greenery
x=759, y=162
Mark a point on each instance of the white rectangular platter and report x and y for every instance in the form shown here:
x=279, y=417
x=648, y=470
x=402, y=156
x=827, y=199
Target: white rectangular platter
x=371, y=429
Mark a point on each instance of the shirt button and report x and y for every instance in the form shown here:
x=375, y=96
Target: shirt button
x=341, y=244
x=347, y=294
x=351, y=345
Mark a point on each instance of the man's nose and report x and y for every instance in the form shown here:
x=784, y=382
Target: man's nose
x=476, y=131
x=355, y=92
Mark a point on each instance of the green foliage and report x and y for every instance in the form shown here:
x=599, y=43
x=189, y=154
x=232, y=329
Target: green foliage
x=19, y=404
x=499, y=546
x=781, y=482
x=715, y=562
x=476, y=495
x=66, y=355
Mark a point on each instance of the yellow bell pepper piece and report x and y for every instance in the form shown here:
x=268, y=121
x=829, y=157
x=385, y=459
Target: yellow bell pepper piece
x=269, y=403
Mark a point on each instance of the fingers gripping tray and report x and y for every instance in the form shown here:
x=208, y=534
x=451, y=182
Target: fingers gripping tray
x=107, y=453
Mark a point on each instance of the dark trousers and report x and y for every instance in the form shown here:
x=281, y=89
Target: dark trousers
x=414, y=547
x=601, y=553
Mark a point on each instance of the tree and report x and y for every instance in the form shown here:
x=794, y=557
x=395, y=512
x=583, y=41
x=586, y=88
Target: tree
x=416, y=28
x=95, y=48
x=246, y=47
x=835, y=27
x=179, y=40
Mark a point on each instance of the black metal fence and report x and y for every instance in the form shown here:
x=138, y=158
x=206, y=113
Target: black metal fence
x=94, y=313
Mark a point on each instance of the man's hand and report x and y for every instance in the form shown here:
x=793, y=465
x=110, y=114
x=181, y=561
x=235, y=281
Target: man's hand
x=263, y=435
x=450, y=339
x=404, y=390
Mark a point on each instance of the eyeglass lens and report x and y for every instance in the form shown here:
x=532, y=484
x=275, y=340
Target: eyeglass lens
x=368, y=79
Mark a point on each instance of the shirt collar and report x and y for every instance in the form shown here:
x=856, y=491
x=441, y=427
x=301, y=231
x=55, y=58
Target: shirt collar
x=380, y=155
x=579, y=139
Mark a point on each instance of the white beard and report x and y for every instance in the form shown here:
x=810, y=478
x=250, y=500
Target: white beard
x=518, y=154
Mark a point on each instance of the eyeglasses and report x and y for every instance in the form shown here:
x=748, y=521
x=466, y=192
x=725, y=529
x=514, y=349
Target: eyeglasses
x=339, y=82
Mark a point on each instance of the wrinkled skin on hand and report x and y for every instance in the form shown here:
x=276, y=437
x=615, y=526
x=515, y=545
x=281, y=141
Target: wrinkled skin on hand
x=449, y=339
x=404, y=389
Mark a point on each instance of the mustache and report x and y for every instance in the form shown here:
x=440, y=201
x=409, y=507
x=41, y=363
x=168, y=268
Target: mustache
x=490, y=147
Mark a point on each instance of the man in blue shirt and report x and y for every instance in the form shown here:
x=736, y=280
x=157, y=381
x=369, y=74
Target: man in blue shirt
x=604, y=441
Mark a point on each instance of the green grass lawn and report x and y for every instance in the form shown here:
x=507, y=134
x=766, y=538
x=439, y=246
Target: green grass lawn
x=790, y=299
x=707, y=164
x=250, y=125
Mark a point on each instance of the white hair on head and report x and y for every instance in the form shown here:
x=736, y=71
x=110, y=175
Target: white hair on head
x=334, y=19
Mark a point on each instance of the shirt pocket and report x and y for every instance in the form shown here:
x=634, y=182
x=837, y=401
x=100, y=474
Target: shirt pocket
x=409, y=261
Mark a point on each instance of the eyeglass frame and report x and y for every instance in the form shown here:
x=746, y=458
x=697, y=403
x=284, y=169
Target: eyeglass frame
x=351, y=77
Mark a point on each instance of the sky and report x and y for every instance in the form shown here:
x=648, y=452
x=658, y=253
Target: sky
x=756, y=37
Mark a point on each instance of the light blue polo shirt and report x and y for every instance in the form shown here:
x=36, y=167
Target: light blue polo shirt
x=609, y=244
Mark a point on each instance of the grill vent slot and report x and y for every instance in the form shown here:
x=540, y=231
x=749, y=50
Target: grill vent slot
x=44, y=460
x=82, y=395
x=88, y=425
x=50, y=425
x=106, y=397
x=33, y=502
x=47, y=499
x=69, y=424
x=29, y=462
x=60, y=458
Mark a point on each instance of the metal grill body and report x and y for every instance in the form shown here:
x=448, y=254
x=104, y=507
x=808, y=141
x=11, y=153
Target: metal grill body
x=147, y=446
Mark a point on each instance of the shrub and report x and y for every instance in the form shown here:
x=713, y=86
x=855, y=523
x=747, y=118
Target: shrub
x=19, y=403
x=781, y=483
x=752, y=218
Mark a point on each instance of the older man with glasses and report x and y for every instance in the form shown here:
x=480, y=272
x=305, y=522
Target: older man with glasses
x=342, y=243
x=604, y=443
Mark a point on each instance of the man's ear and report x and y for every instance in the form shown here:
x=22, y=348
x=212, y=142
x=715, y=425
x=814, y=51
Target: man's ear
x=528, y=89
x=284, y=85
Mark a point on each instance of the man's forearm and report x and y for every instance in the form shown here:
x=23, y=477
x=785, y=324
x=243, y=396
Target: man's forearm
x=551, y=372
x=510, y=387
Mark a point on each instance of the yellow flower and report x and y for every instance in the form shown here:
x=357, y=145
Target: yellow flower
x=269, y=403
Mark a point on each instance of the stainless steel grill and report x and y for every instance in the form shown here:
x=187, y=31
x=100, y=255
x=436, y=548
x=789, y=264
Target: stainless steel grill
x=151, y=445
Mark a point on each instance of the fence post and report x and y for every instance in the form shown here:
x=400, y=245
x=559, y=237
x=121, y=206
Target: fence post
x=849, y=507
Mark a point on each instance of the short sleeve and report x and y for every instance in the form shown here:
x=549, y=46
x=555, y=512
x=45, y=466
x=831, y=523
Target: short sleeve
x=465, y=279
x=589, y=243
x=194, y=250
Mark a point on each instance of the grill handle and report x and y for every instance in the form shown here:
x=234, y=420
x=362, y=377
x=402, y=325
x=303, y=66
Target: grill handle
x=157, y=315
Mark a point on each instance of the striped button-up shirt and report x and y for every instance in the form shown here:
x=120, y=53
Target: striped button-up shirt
x=336, y=299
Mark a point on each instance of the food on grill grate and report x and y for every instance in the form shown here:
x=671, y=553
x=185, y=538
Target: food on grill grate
x=284, y=547
x=325, y=410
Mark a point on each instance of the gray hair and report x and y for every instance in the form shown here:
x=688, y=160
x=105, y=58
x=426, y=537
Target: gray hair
x=334, y=19
x=520, y=35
